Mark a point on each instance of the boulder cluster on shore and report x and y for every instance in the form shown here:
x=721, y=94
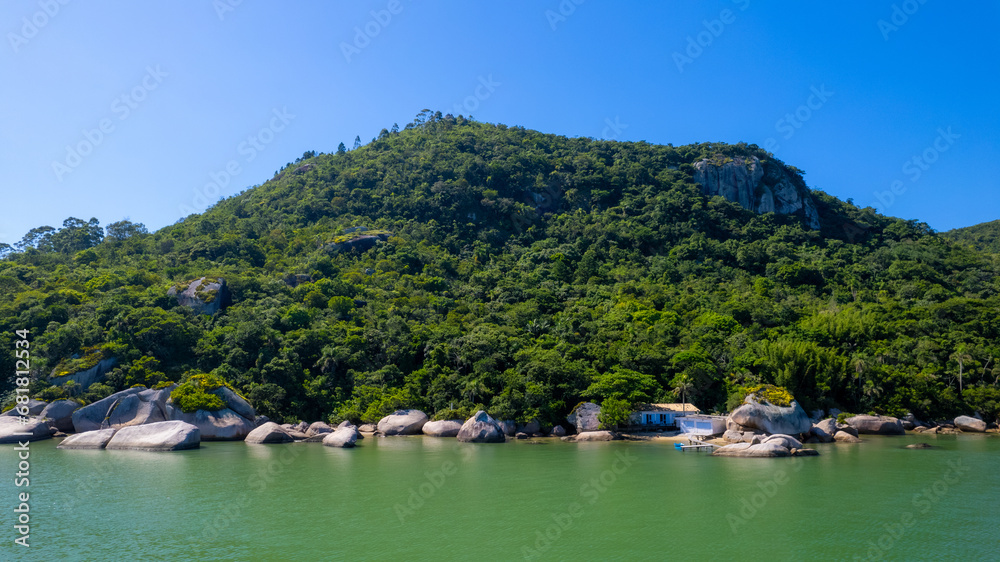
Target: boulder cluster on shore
x=146, y=419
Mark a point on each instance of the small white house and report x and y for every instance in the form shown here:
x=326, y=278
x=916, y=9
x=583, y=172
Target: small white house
x=660, y=416
x=702, y=425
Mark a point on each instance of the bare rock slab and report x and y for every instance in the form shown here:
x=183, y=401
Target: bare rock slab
x=403, y=422
x=443, y=428
x=270, y=432
x=97, y=439
x=160, y=436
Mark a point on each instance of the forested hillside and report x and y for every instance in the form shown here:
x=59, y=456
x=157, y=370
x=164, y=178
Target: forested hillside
x=984, y=237
x=520, y=273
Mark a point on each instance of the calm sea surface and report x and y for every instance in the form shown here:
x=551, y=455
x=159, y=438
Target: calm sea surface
x=419, y=498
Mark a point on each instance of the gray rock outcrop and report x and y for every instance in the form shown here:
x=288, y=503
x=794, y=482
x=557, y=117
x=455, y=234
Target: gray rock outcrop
x=103, y=412
x=876, y=425
x=59, y=414
x=219, y=425
x=584, y=417
x=558, y=431
x=970, y=424
x=87, y=377
x=318, y=428
x=825, y=430
x=36, y=430
x=97, y=439
x=508, y=426
x=844, y=437
x=344, y=437
x=762, y=450
x=270, y=432
x=481, y=428
x=159, y=436
x=403, y=422
x=766, y=417
x=204, y=295
x=35, y=408
x=531, y=427
x=760, y=187
x=442, y=428
x=786, y=441
x=601, y=435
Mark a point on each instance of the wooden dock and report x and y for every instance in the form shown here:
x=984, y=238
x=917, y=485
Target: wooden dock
x=695, y=445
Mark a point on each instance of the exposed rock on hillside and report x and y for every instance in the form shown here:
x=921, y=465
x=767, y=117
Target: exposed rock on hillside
x=763, y=187
x=206, y=295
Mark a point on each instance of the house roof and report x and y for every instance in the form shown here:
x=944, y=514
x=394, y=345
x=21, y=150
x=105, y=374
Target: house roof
x=688, y=408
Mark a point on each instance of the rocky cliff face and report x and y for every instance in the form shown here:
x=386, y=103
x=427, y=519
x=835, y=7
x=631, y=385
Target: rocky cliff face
x=763, y=187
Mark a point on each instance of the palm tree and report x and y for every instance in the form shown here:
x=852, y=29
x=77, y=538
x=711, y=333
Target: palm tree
x=961, y=357
x=473, y=388
x=683, y=385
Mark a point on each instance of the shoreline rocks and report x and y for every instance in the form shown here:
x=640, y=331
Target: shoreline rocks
x=344, y=437
x=159, y=436
x=600, y=435
x=269, y=432
x=403, y=422
x=876, y=425
x=442, y=428
x=36, y=428
x=481, y=428
x=970, y=424
x=60, y=414
x=97, y=439
x=768, y=418
x=584, y=417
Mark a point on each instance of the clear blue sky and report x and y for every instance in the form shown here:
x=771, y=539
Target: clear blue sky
x=199, y=81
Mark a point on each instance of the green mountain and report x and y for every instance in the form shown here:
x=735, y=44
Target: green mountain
x=519, y=272
x=984, y=237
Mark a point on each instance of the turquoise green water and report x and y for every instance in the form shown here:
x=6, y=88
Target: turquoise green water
x=421, y=498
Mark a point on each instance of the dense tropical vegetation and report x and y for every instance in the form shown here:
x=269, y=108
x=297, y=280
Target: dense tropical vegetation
x=984, y=237
x=522, y=273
